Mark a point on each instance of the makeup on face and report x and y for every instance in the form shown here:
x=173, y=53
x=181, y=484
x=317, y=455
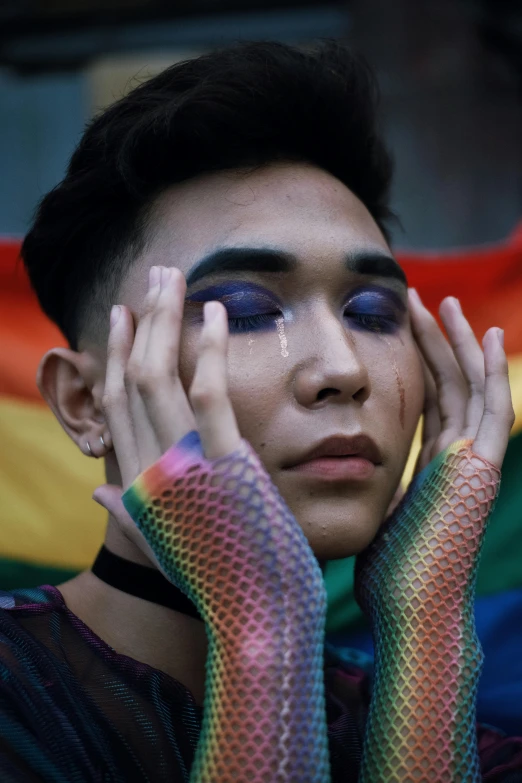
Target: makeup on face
x=400, y=384
x=251, y=307
x=280, y=322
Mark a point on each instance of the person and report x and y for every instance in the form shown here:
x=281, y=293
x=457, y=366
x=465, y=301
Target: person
x=254, y=395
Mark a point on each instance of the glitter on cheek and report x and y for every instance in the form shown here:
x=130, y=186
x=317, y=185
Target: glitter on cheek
x=400, y=385
x=282, y=337
x=250, y=343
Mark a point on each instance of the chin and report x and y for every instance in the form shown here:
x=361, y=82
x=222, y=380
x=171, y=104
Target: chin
x=345, y=537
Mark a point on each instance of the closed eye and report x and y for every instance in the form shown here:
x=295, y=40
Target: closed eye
x=251, y=322
x=374, y=323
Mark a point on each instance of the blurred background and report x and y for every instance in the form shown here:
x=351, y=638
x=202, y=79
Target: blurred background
x=450, y=71
x=451, y=79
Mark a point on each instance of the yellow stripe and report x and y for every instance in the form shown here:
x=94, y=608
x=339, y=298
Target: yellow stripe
x=515, y=381
x=48, y=516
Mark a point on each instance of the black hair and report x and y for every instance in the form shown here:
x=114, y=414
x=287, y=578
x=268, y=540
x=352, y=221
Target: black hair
x=246, y=105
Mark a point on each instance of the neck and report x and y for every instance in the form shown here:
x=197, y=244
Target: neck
x=156, y=635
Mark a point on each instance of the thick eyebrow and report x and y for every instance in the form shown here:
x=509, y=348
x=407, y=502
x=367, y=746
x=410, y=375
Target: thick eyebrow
x=265, y=260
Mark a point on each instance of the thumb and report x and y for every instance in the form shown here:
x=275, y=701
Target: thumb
x=109, y=497
x=398, y=496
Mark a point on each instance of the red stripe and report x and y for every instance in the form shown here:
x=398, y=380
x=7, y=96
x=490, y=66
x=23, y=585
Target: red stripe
x=487, y=280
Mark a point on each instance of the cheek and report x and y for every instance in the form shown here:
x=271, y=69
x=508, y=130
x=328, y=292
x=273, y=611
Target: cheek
x=188, y=355
x=397, y=381
x=410, y=368
x=254, y=389
x=252, y=379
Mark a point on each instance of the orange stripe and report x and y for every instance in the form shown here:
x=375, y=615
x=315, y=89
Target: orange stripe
x=488, y=282
x=25, y=332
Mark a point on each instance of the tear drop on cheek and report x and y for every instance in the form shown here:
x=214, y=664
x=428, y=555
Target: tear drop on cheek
x=400, y=385
x=282, y=337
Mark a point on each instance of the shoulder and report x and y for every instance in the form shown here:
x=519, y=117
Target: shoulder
x=36, y=700
x=27, y=664
x=27, y=597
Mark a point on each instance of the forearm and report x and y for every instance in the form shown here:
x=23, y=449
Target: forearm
x=240, y=556
x=263, y=719
x=268, y=724
x=422, y=716
x=416, y=583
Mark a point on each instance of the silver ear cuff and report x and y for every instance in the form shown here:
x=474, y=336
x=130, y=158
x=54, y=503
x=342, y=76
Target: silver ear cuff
x=89, y=446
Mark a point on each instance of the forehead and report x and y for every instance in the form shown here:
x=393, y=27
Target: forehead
x=293, y=206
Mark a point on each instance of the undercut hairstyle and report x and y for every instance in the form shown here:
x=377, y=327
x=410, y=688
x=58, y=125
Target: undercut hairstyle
x=240, y=107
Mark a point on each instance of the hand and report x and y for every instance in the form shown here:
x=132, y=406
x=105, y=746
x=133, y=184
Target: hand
x=148, y=413
x=467, y=399
x=205, y=511
x=467, y=390
x=144, y=401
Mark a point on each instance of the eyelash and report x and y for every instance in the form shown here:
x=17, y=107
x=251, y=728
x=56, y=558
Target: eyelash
x=248, y=322
x=372, y=323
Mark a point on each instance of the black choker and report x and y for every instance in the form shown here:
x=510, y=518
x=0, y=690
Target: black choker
x=142, y=581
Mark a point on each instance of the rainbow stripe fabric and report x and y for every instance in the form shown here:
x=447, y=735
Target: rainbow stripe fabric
x=416, y=582
x=51, y=529
x=255, y=637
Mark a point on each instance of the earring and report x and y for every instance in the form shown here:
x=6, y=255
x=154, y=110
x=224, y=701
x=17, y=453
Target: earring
x=89, y=447
x=103, y=442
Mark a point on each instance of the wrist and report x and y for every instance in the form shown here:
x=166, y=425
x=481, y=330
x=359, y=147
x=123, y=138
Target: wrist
x=428, y=642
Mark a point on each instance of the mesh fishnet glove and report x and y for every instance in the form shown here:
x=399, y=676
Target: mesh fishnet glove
x=416, y=582
x=222, y=533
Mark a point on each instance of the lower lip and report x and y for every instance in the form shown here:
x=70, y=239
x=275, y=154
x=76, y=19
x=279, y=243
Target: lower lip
x=338, y=468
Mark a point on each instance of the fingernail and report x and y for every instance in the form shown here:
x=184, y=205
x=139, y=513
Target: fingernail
x=154, y=276
x=415, y=295
x=457, y=303
x=115, y=314
x=500, y=335
x=211, y=311
x=165, y=274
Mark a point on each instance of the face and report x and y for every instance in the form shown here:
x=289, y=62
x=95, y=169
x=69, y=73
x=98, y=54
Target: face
x=320, y=341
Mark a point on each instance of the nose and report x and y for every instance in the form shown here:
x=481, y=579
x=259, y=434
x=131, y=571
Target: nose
x=331, y=367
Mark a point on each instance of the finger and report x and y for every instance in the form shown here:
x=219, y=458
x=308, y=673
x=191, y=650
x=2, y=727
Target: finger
x=470, y=358
x=451, y=388
x=160, y=386
x=498, y=417
x=136, y=376
x=115, y=403
x=431, y=427
x=208, y=394
x=109, y=497
x=396, y=499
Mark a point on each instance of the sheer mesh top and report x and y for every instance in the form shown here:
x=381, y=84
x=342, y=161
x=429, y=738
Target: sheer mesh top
x=72, y=709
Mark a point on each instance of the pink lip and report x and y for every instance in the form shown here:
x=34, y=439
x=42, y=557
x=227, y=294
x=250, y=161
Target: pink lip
x=359, y=446
x=352, y=468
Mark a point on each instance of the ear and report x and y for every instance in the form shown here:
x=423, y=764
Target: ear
x=72, y=384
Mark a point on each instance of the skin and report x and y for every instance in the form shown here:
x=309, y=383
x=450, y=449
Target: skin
x=328, y=378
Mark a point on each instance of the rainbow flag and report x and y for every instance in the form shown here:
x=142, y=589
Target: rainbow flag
x=51, y=529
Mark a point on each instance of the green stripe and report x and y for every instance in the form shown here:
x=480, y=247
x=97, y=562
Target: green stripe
x=500, y=566
x=15, y=574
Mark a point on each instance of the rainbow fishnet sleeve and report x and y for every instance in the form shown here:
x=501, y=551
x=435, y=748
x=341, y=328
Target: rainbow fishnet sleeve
x=416, y=582
x=221, y=532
